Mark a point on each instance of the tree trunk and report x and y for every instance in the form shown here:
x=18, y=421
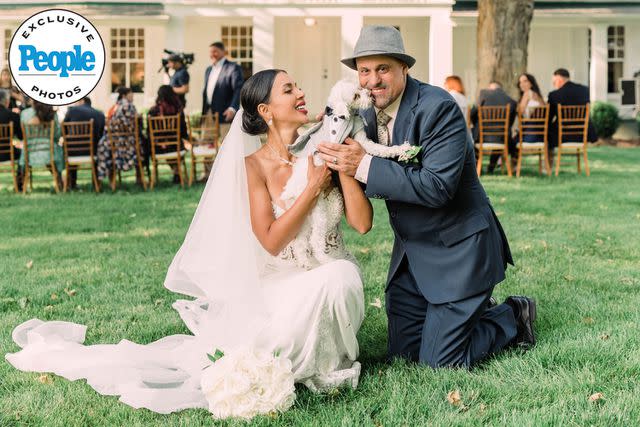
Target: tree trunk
x=503, y=36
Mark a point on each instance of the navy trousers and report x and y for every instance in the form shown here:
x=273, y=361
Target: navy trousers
x=453, y=334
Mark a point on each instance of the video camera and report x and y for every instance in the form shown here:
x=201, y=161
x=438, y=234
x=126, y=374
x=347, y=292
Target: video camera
x=185, y=58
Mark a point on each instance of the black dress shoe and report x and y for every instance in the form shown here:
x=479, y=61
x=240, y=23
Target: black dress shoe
x=524, y=310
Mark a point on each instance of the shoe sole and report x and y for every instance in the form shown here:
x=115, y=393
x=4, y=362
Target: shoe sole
x=532, y=315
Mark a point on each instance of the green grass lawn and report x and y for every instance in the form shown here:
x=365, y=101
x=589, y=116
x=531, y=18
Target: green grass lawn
x=575, y=240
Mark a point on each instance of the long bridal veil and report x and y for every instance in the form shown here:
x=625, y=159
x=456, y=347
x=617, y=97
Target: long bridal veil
x=219, y=264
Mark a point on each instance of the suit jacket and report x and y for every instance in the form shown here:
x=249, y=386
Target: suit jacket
x=569, y=94
x=227, y=91
x=493, y=98
x=84, y=113
x=440, y=215
x=8, y=116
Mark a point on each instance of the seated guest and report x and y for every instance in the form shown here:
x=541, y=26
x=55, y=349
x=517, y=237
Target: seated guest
x=123, y=92
x=41, y=114
x=82, y=111
x=530, y=96
x=8, y=116
x=122, y=118
x=169, y=104
x=453, y=85
x=495, y=96
x=566, y=93
x=17, y=99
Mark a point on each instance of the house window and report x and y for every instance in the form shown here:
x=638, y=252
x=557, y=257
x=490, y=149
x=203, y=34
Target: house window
x=238, y=40
x=127, y=58
x=615, y=57
x=8, y=33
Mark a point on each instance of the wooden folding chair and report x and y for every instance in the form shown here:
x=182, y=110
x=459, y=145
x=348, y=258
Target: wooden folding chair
x=164, y=136
x=573, y=125
x=119, y=136
x=6, y=147
x=38, y=138
x=493, y=122
x=205, y=142
x=79, y=154
x=533, y=139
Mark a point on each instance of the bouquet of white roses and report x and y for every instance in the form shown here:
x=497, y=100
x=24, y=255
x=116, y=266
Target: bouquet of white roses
x=246, y=383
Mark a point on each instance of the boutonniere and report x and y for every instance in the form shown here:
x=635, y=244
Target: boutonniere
x=409, y=153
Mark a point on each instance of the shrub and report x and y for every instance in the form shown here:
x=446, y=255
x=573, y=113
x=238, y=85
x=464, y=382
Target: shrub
x=638, y=121
x=605, y=119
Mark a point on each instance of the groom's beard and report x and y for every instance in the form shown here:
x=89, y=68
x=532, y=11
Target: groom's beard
x=382, y=100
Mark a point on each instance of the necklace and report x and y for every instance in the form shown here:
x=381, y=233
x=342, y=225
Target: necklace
x=283, y=160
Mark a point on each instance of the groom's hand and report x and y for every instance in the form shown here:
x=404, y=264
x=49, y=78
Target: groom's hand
x=343, y=158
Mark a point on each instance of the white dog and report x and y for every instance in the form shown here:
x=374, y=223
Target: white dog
x=341, y=120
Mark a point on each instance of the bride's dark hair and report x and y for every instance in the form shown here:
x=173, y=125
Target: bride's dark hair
x=255, y=91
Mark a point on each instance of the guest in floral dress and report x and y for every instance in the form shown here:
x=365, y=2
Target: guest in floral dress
x=39, y=152
x=123, y=114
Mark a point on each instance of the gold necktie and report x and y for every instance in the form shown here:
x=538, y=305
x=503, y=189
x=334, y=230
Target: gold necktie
x=383, y=131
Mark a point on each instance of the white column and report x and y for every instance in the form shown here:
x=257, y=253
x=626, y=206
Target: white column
x=175, y=33
x=598, y=71
x=440, y=47
x=263, y=40
x=351, y=25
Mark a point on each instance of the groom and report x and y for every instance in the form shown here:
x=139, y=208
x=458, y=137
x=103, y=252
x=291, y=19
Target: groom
x=449, y=250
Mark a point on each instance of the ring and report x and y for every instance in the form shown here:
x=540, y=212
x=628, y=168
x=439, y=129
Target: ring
x=335, y=160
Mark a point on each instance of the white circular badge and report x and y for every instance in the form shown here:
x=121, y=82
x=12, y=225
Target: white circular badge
x=56, y=57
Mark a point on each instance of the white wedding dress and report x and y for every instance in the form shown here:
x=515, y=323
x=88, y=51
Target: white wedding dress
x=245, y=298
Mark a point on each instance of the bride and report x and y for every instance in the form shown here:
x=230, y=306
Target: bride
x=250, y=289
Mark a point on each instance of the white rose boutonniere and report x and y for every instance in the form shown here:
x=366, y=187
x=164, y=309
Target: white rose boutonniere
x=246, y=383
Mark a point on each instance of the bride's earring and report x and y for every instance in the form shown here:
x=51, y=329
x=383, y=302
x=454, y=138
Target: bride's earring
x=270, y=122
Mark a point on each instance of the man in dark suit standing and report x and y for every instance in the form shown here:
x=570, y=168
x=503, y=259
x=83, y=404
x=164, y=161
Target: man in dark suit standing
x=495, y=96
x=449, y=250
x=222, y=83
x=566, y=93
x=82, y=111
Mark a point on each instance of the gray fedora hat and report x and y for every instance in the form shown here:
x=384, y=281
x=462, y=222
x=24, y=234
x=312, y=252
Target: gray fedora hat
x=379, y=40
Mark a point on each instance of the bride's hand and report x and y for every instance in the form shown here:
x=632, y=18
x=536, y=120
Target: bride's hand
x=318, y=177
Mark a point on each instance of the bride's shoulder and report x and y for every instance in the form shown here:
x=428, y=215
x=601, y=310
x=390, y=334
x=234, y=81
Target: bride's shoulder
x=254, y=165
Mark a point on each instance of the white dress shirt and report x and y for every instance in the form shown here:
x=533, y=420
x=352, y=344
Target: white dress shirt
x=213, y=78
x=362, y=172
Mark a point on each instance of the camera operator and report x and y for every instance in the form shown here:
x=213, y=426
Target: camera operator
x=180, y=78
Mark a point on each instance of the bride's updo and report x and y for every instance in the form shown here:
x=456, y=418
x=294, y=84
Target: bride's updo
x=255, y=91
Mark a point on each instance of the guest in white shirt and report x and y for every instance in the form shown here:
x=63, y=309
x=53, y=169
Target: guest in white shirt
x=222, y=83
x=453, y=85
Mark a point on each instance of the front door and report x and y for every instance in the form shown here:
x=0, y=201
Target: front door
x=310, y=54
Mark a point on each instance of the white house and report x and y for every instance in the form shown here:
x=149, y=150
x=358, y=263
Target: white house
x=597, y=41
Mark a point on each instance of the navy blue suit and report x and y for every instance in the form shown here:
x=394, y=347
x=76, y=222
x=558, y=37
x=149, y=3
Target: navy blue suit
x=227, y=91
x=449, y=249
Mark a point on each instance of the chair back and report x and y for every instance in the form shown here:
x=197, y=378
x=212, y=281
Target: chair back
x=493, y=122
x=206, y=131
x=573, y=123
x=77, y=138
x=533, y=128
x=38, y=138
x=164, y=131
x=6, y=141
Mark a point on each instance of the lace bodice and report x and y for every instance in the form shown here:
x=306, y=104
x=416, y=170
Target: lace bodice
x=320, y=238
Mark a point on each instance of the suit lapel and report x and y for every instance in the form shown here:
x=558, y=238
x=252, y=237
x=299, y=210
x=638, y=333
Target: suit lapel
x=206, y=78
x=405, y=111
x=369, y=117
